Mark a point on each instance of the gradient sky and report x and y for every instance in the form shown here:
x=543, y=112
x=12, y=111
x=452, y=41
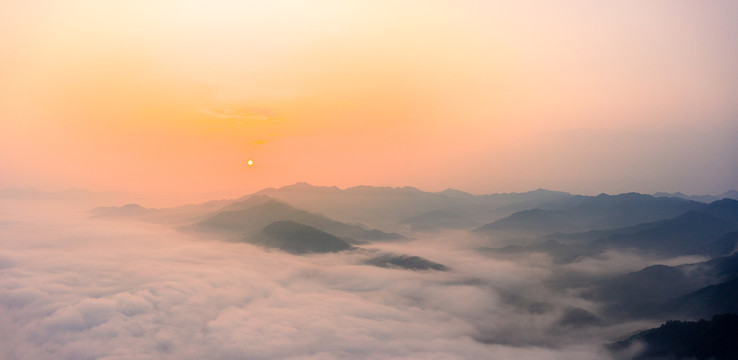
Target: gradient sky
x=173, y=97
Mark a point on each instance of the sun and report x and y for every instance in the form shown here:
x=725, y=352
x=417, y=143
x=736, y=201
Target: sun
x=250, y=162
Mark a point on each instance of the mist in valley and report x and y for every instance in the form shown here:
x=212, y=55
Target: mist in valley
x=108, y=283
x=368, y=180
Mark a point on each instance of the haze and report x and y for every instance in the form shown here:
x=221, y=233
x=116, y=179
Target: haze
x=355, y=179
x=174, y=97
x=306, y=272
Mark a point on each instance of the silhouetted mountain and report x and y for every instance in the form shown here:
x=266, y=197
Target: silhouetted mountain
x=661, y=291
x=173, y=215
x=722, y=268
x=128, y=210
x=693, y=233
x=378, y=206
x=653, y=283
x=405, y=262
x=710, y=230
x=726, y=209
x=297, y=238
x=577, y=317
x=687, y=234
x=441, y=219
x=587, y=213
x=254, y=213
x=535, y=220
x=726, y=244
x=704, y=302
x=385, y=206
x=712, y=299
x=730, y=194
x=539, y=198
x=453, y=193
x=704, y=339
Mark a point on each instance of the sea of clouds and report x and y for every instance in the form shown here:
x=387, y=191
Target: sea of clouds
x=75, y=287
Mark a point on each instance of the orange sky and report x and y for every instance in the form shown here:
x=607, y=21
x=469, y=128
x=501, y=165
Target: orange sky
x=173, y=97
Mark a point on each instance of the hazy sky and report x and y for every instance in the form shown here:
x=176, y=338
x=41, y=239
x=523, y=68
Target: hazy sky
x=484, y=96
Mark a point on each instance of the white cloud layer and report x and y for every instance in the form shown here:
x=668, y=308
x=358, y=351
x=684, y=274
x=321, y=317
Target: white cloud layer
x=91, y=289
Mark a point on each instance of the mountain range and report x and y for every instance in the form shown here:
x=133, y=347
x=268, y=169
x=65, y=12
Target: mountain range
x=256, y=212
x=581, y=213
x=302, y=219
x=705, y=339
x=730, y=194
x=704, y=229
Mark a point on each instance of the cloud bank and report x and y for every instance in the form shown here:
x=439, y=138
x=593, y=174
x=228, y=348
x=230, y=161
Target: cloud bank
x=80, y=288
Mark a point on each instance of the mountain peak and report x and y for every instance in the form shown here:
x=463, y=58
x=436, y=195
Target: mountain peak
x=296, y=238
x=302, y=186
x=257, y=199
x=456, y=193
x=125, y=210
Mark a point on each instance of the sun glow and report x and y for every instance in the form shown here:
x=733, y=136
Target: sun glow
x=133, y=95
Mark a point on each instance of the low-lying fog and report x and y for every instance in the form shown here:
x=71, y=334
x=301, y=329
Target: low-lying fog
x=75, y=287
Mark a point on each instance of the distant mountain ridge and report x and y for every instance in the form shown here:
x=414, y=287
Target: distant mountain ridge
x=688, y=233
x=730, y=194
x=582, y=213
x=126, y=210
x=398, y=207
x=175, y=215
x=574, y=225
x=661, y=291
x=451, y=218
x=256, y=212
x=692, y=233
